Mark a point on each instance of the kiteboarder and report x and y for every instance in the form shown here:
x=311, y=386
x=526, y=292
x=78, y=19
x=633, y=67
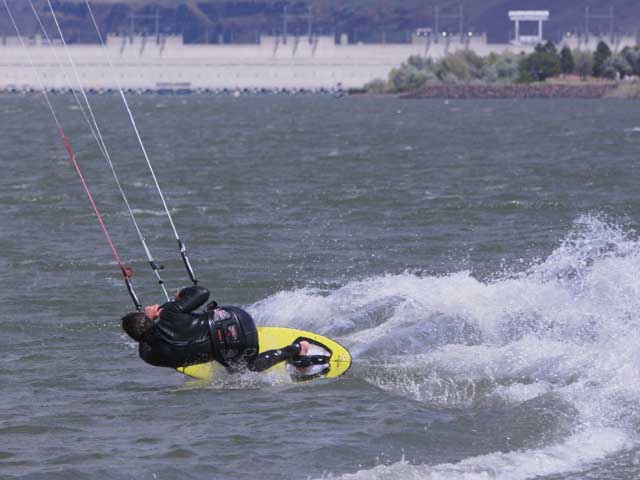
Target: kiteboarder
x=175, y=335
x=172, y=335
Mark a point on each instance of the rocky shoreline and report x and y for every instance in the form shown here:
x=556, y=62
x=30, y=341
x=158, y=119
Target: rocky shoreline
x=550, y=90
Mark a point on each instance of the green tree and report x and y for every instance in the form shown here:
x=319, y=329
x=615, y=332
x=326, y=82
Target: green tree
x=603, y=52
x=539, y=66
x=584, y=62
x=567, y=64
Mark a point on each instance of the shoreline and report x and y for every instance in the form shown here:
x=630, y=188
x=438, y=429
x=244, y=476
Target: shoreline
x=517, y=91
x=601, y=90
x=222, y=92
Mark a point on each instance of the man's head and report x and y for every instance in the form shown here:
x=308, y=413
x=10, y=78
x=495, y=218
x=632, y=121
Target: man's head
x=136, y=325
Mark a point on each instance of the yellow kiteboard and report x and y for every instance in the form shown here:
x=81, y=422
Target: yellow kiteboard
x=273, y=338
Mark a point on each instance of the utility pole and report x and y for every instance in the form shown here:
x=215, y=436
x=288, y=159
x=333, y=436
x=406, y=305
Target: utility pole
x=310, y=22
x=588, y=16
x=138, y=16
x=157, y=26
x=449, y=16
x=611, y=23
x=284, y=24
x=586, y=24
x=426, y=14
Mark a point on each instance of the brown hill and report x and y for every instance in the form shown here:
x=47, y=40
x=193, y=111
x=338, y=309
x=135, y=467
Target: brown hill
x=361, y=20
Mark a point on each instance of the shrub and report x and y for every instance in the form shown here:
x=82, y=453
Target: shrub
x=501, y=68
x=406, y=78
x=626, y=90
x=453, y=67
x=377, y=86
x=418, y=62
x=616, y=67
x=467, y=67
x=507, y=67
x=474, y=61
x=539, y=66
x=548, y=47
x=632, y=56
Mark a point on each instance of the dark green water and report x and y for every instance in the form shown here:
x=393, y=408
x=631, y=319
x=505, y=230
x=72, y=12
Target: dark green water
x=479, y=259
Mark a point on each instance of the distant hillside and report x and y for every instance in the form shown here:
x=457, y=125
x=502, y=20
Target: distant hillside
x=362, y=20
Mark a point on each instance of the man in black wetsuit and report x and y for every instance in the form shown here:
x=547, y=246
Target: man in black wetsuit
x=174, y=335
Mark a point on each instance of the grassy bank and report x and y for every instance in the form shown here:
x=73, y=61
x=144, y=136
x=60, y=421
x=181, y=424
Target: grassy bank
x=625, y=90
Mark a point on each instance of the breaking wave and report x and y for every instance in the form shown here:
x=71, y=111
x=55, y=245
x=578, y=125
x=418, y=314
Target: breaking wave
x=577, y=451
x=567, y=327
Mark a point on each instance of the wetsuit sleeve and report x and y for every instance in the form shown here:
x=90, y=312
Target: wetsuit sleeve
x=268, y=359
x=188, y=300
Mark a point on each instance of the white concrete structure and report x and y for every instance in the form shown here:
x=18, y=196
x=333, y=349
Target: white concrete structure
x=300, y=62
x=452, y=43
x=590, y=43
x=538, y=16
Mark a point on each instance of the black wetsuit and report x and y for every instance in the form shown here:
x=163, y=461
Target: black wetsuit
x=182, y=337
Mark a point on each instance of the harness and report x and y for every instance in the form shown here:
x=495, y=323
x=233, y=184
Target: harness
x=229, y=337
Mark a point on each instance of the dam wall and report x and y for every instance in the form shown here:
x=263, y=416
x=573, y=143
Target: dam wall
x=276, y=62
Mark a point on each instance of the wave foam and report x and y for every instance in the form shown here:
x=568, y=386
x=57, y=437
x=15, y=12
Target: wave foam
x=572, y=455
x=567, y=326
x=569, y=321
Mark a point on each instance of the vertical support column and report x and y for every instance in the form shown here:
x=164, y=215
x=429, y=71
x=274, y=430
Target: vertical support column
x=517, y=39
x=539, y=30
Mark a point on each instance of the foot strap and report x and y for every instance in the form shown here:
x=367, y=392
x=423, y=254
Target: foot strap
x=305, y=361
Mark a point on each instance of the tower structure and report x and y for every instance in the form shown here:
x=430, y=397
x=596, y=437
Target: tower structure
x=537, y=16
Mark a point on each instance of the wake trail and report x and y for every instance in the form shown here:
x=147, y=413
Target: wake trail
x=568, y=326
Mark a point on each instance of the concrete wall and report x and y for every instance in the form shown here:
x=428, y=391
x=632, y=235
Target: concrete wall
x=590, y=43
x=274, y=63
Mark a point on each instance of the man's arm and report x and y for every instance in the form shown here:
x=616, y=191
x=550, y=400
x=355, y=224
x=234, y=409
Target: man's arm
x=268, y=359
x=188, y=300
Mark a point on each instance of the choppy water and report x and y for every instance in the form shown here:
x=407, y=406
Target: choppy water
x=480, y=259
